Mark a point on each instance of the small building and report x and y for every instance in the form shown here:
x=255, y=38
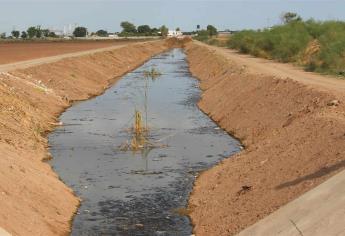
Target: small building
x=226, y=32
x=174, y=33
x=113, y=35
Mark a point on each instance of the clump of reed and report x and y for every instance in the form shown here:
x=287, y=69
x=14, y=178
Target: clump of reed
x=153, y=73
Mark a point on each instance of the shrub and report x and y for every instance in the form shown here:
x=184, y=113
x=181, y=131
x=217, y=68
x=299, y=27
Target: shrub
x=289, y=42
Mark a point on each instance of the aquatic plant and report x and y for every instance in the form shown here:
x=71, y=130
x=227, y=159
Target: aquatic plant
x=153, y=73
x=140, y=131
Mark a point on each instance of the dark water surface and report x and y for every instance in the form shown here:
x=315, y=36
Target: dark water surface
x=127, y=193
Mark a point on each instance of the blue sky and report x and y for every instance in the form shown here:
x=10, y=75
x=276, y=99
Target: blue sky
x=107, y=14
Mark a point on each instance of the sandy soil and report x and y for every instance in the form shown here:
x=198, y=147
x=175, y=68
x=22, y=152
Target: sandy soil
x=294, y=137
x=19, y=51
x=33, y=201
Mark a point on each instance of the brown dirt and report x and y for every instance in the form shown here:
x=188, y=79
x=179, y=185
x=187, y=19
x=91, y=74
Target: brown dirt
x=294, y=137
x=19, y=51
x=32, y=199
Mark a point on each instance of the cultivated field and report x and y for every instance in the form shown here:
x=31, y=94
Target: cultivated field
x=20, y=51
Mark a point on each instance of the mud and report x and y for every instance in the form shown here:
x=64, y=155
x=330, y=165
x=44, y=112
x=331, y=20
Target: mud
x=142, y=193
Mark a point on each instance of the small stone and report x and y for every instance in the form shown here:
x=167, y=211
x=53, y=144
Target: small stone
x=244, y=189
x=333, y=103
x=263, y=162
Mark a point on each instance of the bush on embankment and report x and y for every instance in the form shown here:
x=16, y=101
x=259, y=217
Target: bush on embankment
x=317, y=46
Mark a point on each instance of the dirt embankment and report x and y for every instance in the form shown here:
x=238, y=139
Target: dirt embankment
x=294, y=136
x=33, y=201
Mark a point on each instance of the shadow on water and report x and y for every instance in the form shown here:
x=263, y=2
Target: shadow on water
x=136, y=193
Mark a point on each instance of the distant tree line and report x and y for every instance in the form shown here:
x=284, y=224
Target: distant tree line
x=36, y=32
x=129, y=29
x=32, y=32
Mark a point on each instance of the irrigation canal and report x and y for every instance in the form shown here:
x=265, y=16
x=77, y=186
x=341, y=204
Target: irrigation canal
x=138, y=192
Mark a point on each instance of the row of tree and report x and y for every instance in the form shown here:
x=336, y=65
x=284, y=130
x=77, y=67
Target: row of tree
x=33, y=32
x=129, y=29
x=37, y=32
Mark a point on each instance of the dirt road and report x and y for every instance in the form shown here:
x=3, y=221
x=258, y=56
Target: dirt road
x=258, y=66
x=11, y=52
x=293, y=132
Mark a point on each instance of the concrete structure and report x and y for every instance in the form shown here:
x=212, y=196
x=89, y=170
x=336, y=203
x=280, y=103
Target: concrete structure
x=319, y=212
x=226, y=32
x=174, y=33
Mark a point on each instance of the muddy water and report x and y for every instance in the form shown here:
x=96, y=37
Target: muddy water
x=128, y=193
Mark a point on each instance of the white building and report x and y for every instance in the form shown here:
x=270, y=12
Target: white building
x=174, y=33
x=69, y=29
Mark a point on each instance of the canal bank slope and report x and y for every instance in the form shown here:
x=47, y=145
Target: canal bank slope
x=293, y=130
x=33, y=201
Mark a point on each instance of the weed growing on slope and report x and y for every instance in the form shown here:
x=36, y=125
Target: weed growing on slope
x=318, y=46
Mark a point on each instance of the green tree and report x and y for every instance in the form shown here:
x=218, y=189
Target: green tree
x=24, y=35
x=3, y=35
x=202, y=35
x=32, y=32
x=154, y=31
x=128, y=27
x=45, y=32
x=178, y=29
x=15, y=34
x=211, y=30
x=144, y=29
x=102, y=33
x=288, y=17
x=164, y=30
x=80, y=32
x=52, y=35
x=38, y=32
